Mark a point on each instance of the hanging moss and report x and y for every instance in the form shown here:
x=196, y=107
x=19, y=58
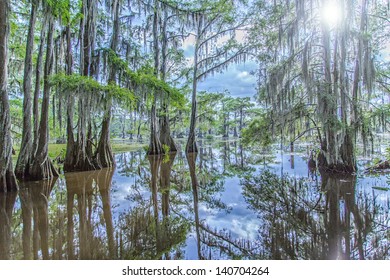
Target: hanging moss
x=87, y=85
x=144, y=79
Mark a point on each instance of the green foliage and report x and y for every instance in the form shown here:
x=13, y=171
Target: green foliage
x=166, y=149
x=387, y=153
x=144, y=79
x=60, y=8
x=258, y=132
x=86, y=85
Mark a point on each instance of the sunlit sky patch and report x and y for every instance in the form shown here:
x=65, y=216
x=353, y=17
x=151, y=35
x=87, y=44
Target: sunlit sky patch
x=331, y=13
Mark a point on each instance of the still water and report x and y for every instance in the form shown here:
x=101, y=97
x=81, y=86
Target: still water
x=223, y=203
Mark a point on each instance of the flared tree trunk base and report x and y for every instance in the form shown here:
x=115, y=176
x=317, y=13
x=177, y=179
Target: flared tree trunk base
x=41, y=170
x=104, y=156
x=337, y=168
x=168, y=140
x=77, y=160
x=155, y=147
x=340, y=167
x=191, y=146
x=346, y=162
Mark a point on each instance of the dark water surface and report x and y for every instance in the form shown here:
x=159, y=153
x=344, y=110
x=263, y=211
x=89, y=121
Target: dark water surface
x=223, y=203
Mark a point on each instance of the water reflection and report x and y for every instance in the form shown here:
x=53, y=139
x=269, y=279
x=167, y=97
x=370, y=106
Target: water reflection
x=303, y=221
x=7, y=202
x=88, y=194
x=191, y=158
x=148, y=230
x=34, y=201
x=222, y=203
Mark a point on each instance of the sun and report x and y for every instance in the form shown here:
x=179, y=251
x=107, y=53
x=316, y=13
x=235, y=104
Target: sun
x=331, y=13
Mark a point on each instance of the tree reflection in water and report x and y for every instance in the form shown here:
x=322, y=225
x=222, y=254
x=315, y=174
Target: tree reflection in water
x=7, y=202
x=300, y=220
x=144, y=233
x=222, y=203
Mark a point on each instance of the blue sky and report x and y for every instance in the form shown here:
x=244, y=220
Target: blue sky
x=236, y=79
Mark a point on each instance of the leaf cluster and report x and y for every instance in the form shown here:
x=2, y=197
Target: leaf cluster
x=76, y=83
x=258, y=131
x=145, y=79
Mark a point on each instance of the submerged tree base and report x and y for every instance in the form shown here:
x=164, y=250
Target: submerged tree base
x=323, y=166
x=42, y=171
x=155, y=147
x=337, y=168
x=104, y=156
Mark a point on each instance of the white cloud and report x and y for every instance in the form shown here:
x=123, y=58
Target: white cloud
x=236, y=79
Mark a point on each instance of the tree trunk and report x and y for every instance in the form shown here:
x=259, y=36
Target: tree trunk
x=79, y=157
x=191, y=146
x=41, y=166
x=23, y=162
x=165, y=130
x=241, y=120
x=191, y=142
x=226, y=125
x=37, y=89
x=7, y=176
x=337, y=148
x=104, y=154
x=235, y=134
x=70, y=143
x=155, y=147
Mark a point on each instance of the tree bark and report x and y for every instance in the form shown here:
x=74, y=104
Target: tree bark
x=191, y=146
x=79, y=157
x=165, y=130
x=104, y=155
x=155, y=147
x=7, y=176
x=337, y=149
x=70, y=156
x=25, y=154
x=41, y=166
x=37, y=89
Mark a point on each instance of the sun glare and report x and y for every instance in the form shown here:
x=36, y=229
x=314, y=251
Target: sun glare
x=331, y=13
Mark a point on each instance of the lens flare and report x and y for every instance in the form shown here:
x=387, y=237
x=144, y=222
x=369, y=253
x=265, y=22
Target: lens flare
x=331, y=13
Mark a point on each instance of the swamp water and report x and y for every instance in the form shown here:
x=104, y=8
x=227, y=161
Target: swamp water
x=223, y=203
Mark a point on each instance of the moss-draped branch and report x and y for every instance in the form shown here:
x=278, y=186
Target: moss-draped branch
x=82, y=84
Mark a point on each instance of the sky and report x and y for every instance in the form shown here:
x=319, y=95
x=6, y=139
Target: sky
x=237, y=78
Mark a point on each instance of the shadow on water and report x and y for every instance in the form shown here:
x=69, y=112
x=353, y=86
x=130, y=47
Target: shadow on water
x=223, y=203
